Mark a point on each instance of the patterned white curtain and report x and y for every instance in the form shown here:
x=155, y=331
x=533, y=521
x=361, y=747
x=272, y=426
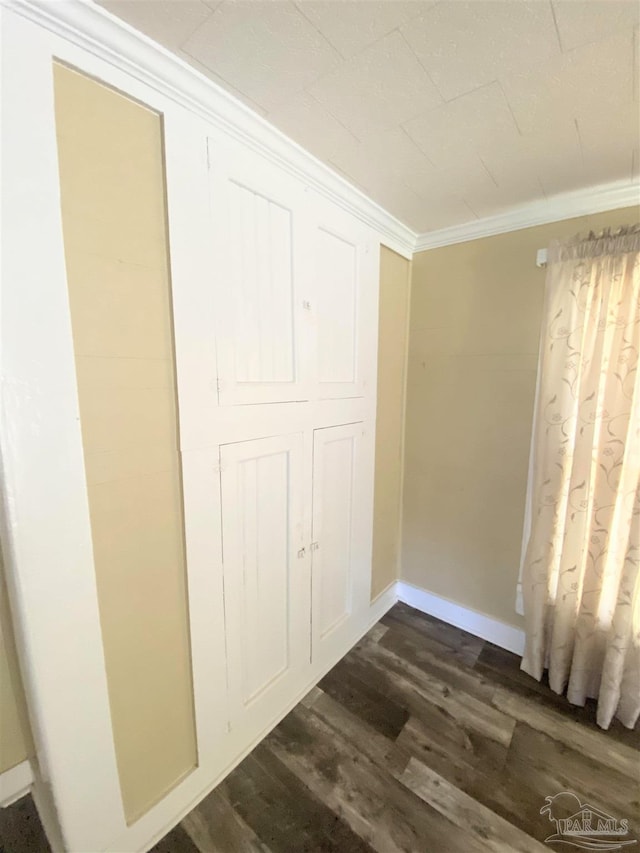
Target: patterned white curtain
x=581, y=567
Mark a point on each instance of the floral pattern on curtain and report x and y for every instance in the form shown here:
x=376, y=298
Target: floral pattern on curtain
x=581, y=571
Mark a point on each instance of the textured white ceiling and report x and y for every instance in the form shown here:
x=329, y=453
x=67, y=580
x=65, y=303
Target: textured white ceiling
x=443, y=112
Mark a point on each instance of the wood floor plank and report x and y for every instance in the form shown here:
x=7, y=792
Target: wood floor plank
x=311, y=697
x=318, y=768
x=21, y=830
x=461, y=657
x=376, y=633
x=551, y=767
x=365, y=700
x=383, y=751
x=408, y=645
x=503, y=668
x=519, y=790
x=215, y=826
x=453, y=751
x=489, y=829
x=463, y=759
x=462, y=645
x=609, y=752
x=339, y=834
x=262, y=806
x=282, y=822
x=492, y=783
x=175, y=841
x=399, y=676
x=377, y=807
x=514, y=797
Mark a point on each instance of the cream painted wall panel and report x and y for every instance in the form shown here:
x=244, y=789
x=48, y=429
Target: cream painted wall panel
x=266, y=572
x=393, y=333
x=474, y=334
x=111, y=323
x=15, y=732
x=114, y=221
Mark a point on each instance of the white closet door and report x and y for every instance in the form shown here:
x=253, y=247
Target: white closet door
x=258, y=268
x=345, y=290
x=266, y=575
x=339, y=573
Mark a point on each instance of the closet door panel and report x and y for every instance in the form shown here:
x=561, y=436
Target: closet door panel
x=344, y=300
x=337, y=536
x=261, y=283
x=258, y=279
x=265, y=573
x=337, y=311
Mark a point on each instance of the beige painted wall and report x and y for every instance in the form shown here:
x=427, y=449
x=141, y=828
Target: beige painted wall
x=15, y=733
x=114, y=222
x=392, y=354
x=475, y=321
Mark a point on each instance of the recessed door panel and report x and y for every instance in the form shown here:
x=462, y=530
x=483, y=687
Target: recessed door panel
x=336, y=533
x=258, y=275
x=265, y=572
x=261, y=283
x=345, y=300
x=337, y=301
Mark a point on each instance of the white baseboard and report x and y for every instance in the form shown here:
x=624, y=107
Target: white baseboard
x=15, y=783
x=383, y=601
x=487, y=627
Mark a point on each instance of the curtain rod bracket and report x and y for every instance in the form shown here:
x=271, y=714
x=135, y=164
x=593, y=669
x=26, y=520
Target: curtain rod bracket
x=541, y=258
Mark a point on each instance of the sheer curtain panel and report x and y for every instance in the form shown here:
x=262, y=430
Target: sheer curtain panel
x=581, y=575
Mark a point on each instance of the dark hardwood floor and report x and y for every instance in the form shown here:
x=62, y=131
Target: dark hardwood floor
x=423, y=738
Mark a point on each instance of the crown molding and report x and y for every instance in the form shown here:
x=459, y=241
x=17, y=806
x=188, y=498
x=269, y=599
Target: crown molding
x=105, y=36
x=565, y=206
x=92, y=28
